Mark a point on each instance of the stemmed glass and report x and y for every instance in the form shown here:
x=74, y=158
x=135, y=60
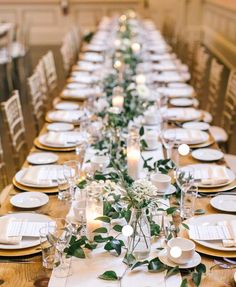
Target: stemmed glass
x=185, y=181
x=59, y=235
x=168, y=139
x=71, y=170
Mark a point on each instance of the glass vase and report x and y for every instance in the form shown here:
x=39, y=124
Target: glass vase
x=139, y=243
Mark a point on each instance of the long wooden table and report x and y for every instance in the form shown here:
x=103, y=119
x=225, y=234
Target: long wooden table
x=31, y=273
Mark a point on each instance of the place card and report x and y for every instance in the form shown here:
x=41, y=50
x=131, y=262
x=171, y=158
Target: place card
x=24, y=228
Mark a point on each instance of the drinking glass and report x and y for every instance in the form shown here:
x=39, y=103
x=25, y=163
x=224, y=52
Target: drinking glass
x=185, y=181
x=63, y=186
x=188, y=201
x=59, y=236
x=71, y=170
x=168, y=142
x=48, y=249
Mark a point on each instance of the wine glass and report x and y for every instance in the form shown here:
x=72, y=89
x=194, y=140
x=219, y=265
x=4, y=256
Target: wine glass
x=185, y=180
x=168, y=139
x=59, y=235
x=71, y=170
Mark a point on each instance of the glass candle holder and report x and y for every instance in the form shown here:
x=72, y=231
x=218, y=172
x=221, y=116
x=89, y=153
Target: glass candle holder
x=134, y=156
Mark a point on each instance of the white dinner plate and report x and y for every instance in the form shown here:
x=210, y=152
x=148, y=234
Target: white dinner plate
x=186, y=136
x=60, y=127
x=66, y=116
x=42, y=158
x=183, y=114
x=67, y=106
x=207, y=154
x=204, y=166
x=179, y=85
x=182, y=102
x=193, y=262
x=212, y=219
x=29, y=199
x=225, y=202
x=171, y=92
x=26, y=242
x=67, y=139
x=197, y=126
x=44, y=184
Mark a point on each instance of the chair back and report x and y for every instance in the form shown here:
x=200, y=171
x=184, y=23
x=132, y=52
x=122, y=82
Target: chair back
x=200, y=71
x=37, y=99
x=214, y=86
x=3, y=174
x=13, y=118
x=229, y=112
x=50, y=71
x=43, y=81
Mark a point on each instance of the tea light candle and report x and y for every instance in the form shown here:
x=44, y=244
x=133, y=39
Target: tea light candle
x=136, y=47
x=133, y=161
x=175, y=252
x=183, y=149
x=127, y=230
x=140, y=79
x=118, y=101
x=118, y=64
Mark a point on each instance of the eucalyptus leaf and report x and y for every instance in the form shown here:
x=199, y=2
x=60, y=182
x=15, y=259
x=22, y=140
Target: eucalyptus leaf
x=139, y=263
x=185, y=226
x=100, y=230
x=184, y=283
x=109, y=276
x=199, y=211
x=104, y=219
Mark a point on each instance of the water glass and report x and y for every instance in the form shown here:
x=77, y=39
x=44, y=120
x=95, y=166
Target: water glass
x=48, y=249
x=188, y=200
x=59, y=236
x=168, y=142
x=63, y=186
x=71, y=171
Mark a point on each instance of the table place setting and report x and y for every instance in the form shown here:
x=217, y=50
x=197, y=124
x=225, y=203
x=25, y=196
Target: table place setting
x=183, y=114
x=74, y=116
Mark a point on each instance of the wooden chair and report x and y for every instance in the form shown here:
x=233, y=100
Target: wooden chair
x=200, y=71
x=214, y=87
x=13, y=118
x=50, y=72
x=3, y=174
x=223, y=132
x=43, y=83
x=37, y=99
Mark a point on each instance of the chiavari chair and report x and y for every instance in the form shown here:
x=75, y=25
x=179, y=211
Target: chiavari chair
x=199, y=71
x=50, y=72
x=3, y=174
x=223, y=132
x=13, y=118
x=214, y=86
x=37, y=99
x=43, y=83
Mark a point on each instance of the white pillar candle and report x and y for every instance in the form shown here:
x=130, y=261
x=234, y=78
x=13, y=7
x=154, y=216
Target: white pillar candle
x=94, y=209
x=118, y=101
x=133, y=162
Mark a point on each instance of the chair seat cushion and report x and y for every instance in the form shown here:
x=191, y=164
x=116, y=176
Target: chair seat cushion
x=219, y=134
x=231, y=161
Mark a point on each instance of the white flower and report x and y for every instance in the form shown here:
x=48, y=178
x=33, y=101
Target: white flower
x=144, y=189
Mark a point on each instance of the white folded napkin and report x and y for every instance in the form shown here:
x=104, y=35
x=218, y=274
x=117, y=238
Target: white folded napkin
x=40, y=175
x=4, y=238
x=64, y=138
x=231, y=226
x=212, y=175
x=186, y=136
x=184, y=114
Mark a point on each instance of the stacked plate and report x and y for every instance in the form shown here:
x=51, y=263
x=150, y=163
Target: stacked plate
x=74, y=116
x=62, y=139
x=182, y=102
x=67, y=106
x=183, y=91
x=210, y=175
x=44, y=176
x=183, y=114
x=214, y=247
x=190, y=137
